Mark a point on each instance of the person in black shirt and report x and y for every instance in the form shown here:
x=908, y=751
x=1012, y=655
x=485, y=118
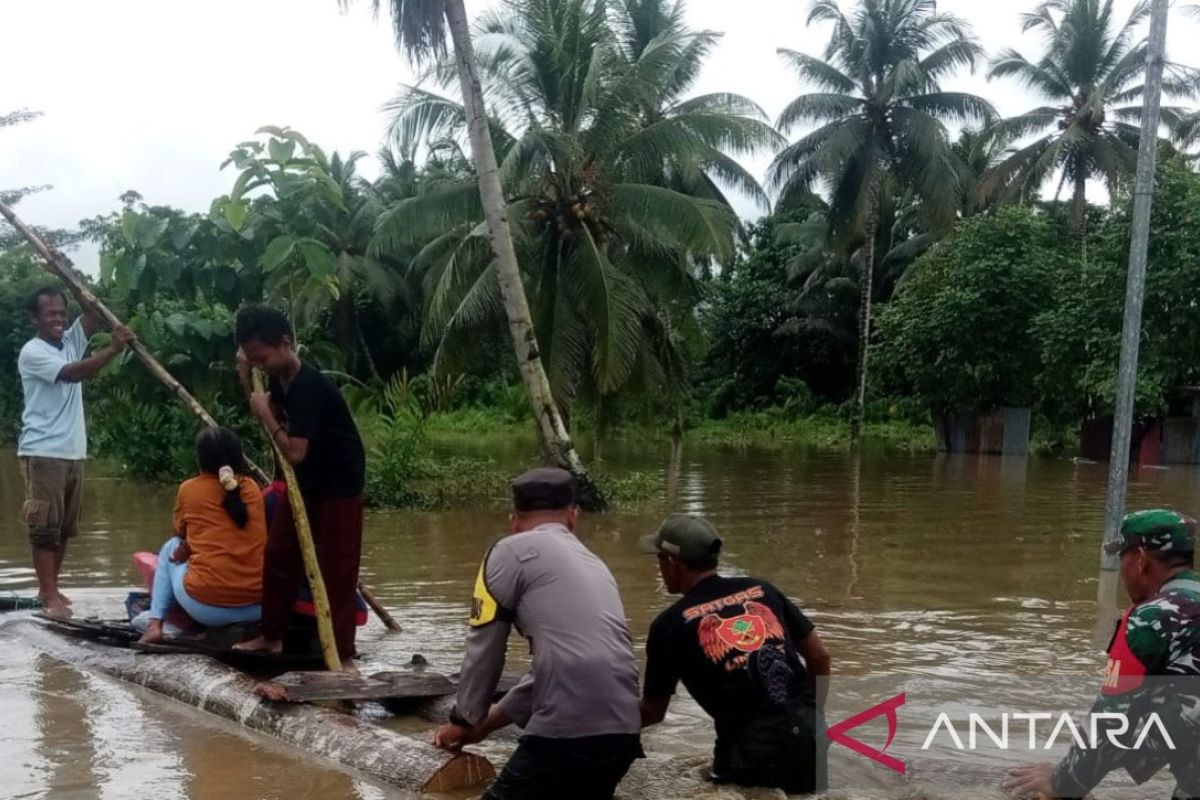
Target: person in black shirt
x=308, y=419
x=746, y=654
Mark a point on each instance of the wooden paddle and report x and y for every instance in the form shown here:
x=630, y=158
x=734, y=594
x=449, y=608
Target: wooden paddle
x=60, y=266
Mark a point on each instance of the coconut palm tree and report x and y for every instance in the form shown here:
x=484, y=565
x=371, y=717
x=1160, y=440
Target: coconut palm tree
x=979, y=150
x=1091, y=72
x=421, y=27
x=612, y=184
x=880, y=117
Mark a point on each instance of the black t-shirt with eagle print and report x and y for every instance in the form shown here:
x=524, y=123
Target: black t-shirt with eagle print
x=732, y=641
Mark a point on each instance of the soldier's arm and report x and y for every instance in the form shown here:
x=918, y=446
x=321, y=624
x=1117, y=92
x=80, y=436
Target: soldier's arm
x=493, y=610
x=1124, y=694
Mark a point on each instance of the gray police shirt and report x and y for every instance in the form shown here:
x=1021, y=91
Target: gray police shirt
x=563, y=599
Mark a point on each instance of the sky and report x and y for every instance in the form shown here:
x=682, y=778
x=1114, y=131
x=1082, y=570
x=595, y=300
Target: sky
x=152, y=95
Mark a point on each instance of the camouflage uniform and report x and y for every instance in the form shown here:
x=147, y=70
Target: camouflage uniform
x=1153, y=667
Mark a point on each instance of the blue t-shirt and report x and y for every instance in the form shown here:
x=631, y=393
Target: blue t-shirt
x=52, y=424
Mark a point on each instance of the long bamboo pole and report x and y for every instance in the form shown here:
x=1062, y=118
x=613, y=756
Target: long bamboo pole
x=61, y=266
x=307, y=550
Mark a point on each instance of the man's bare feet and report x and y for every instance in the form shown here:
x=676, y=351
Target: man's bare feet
x=53, y=607
x=260, y=644
x=62, y=598
x=154, y=632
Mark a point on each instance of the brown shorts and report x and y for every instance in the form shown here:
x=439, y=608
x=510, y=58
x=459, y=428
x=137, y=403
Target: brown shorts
x=53, y=498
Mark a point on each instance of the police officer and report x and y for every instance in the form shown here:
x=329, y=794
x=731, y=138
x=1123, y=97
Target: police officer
x=578, y=705
x=1153, y=668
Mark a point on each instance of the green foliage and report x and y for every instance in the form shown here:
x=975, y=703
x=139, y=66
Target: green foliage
x=755, y=308
x=958, y=334
x=1080, y=332
x=632, y=488
x=20, y=275
x=612, y=179
x=151, y=436
x=394, y=454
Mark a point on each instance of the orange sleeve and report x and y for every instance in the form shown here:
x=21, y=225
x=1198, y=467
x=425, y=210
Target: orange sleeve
x=180, y=516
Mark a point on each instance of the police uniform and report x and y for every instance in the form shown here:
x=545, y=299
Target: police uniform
x=578, y=705
x=1153, y=668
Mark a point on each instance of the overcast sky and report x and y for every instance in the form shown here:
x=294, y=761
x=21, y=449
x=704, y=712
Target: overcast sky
x=152, y=94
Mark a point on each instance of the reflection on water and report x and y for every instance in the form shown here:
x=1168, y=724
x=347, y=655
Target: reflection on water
x=927, y=571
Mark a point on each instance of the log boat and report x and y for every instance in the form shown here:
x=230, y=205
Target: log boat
x=284, y=696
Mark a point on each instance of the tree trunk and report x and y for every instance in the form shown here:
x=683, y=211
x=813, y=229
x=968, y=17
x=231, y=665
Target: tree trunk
x=552, y=431
x=866, y=281
x=362, y=342
x=396, y=759
x=1079, y=203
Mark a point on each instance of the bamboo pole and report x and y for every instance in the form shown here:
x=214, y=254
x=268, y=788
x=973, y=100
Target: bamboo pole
x=61, y=266
x=312, y=569
x=385, y=617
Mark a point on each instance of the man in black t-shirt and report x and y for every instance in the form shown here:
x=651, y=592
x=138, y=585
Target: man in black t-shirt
x=309, y=421
x=746, y=654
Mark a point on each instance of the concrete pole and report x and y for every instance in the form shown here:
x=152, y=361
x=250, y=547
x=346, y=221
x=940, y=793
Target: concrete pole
x=1131, y=331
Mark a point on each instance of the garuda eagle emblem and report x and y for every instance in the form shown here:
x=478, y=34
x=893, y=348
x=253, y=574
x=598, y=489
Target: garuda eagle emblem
x=745, y=633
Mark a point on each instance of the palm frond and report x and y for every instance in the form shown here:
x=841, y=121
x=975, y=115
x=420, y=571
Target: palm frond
x=819, y=73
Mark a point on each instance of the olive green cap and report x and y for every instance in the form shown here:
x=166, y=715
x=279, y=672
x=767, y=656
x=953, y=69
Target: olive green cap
x=1158, y=530
x=684, y=536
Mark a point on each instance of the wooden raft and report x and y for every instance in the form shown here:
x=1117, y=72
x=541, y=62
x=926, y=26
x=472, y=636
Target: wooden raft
x=397, y=759
x=118, y=633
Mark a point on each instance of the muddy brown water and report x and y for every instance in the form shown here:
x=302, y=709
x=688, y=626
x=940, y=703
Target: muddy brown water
x=968, y=583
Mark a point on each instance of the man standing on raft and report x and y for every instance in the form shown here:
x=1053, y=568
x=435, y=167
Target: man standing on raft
x=53, y=442
x=308, y=419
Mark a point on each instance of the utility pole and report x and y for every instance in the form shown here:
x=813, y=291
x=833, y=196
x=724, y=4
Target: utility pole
x=1131, y=330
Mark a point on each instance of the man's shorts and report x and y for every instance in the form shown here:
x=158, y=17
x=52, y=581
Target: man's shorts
x=53, y=499
x=586, y=768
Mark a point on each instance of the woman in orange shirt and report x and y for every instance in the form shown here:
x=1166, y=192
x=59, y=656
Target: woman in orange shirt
x=213, y=565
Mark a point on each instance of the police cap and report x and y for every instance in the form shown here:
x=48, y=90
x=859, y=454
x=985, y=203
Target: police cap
x=543, y=489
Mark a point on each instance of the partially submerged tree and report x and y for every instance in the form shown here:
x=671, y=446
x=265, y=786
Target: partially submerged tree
x=421, y=27
x=612, y=184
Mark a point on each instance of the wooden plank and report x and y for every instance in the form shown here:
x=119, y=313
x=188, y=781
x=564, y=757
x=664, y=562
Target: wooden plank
x=437, y=709
x=308, y=687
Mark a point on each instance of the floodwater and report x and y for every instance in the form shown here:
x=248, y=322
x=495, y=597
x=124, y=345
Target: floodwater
x=969, y=583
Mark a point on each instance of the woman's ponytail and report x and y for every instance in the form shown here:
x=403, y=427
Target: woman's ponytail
x=235, y=507
x=219, y=452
